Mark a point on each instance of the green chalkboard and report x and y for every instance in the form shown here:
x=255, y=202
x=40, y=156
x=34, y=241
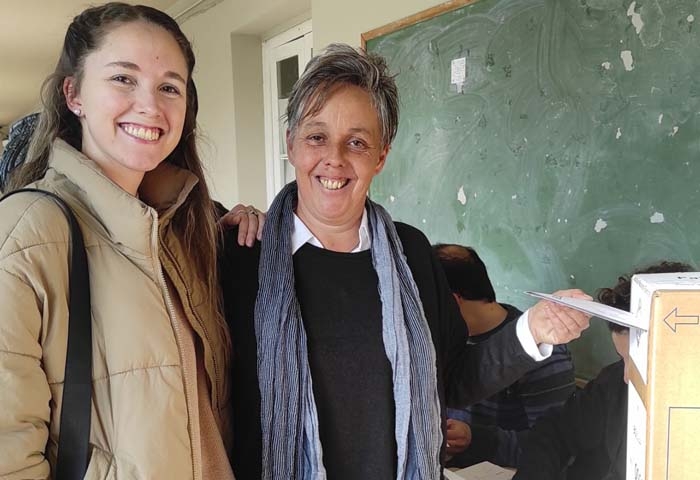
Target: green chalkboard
x=568, y=156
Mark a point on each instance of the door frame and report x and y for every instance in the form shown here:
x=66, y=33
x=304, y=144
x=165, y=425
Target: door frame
x=274, y=49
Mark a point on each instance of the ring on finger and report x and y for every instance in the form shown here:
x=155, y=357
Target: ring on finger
x=252, y=211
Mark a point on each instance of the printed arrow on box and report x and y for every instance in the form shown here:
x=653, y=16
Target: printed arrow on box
x=674, y=321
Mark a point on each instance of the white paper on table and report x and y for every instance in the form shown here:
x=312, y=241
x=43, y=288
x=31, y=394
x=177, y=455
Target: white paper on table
x=615, y=315
x=451, y=475
x=481, y=471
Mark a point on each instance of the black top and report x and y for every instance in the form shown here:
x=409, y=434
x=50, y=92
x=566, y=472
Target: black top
x=466, y=374
x=351, y=373
x=591, y=429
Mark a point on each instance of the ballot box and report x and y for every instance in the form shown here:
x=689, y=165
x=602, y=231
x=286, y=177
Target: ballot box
x=663, y=428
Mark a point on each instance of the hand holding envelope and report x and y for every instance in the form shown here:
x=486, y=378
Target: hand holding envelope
x=556, y=324
x=611, y=314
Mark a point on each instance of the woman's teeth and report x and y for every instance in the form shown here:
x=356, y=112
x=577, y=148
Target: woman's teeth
x=332, y=184
x=149, y=134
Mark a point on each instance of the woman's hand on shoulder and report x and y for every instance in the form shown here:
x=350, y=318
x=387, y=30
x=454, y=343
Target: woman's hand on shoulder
x=250, y=222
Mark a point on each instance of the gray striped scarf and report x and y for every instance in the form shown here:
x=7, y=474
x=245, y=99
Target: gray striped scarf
x=291, y=447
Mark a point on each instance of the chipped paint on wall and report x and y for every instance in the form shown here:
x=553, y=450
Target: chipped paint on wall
x=461, y=197
x=636, y=17
x=600, y=225
x=657, y=218
x=627, y=60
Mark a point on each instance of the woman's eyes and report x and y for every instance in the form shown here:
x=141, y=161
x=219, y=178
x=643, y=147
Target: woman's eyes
x=170, y=89
x=356, y=143
x=126, y=80
x=122, y=79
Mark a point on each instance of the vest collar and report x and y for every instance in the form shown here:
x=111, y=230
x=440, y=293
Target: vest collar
x=126, y=219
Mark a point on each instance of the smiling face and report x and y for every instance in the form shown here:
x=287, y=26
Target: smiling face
x=336, y=153
x=131, y=100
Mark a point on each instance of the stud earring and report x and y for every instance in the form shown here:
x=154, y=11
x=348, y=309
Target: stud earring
x=77, y=112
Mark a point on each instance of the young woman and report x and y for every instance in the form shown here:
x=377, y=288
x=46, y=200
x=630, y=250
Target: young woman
x=116, y=141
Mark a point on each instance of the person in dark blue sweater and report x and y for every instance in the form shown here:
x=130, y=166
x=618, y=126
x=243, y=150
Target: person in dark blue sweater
x=15, y=152
x=492, y=429
x=586, y=439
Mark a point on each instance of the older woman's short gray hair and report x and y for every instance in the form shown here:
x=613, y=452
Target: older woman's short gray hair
x=342, y=64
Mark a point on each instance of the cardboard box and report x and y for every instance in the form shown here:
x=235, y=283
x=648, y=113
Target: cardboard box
x=663, y=428
x=663, y=415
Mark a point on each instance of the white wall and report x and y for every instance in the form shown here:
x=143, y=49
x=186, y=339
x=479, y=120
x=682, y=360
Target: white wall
x=246, y=54
x=344, y=21
x=229, y=84
x=227, y=41
x=216, y=121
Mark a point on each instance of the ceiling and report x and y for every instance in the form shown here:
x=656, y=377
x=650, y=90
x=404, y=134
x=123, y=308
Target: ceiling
x=31, y=33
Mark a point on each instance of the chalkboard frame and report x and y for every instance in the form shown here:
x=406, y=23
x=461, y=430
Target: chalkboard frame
x=421, y=16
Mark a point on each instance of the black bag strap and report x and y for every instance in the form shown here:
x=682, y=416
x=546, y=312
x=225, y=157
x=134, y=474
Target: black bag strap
x=74, y=433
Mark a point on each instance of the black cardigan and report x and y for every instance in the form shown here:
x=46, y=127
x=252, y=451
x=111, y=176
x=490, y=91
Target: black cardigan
x=590, y=428
x=466, y=374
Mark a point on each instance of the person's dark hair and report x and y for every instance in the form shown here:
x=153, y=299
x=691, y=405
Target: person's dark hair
x=619, y=295
x=195, y=222
x=465, y=271
x=341, y=64
x=15, y=152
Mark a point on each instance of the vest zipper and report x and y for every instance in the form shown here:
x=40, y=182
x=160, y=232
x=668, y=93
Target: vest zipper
x=196, y=469
x=216, y=383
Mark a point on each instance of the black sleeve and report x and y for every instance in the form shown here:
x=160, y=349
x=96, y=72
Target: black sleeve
x=579, y=427
x=469, y=373
x=219, y=209
x=238, y=276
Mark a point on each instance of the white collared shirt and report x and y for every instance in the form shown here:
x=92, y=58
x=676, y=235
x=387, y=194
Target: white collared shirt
x=302, y=235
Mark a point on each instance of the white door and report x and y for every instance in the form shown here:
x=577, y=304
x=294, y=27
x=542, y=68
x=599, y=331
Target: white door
x=284, y=59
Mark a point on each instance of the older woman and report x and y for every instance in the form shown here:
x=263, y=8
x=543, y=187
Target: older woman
x=349, y=344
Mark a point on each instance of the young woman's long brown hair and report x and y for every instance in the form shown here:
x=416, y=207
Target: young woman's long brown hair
x=195, y=221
